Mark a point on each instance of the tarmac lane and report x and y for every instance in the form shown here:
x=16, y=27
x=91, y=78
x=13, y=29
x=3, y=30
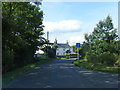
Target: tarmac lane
x=64, y=74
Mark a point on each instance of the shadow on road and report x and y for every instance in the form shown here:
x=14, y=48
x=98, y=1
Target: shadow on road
x=63, y=74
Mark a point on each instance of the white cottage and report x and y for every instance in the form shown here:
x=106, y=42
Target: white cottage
x=63, y=48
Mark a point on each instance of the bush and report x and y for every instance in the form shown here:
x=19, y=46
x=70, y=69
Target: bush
x=83, y=60
x=107, y=58
x=72, y=55
x=49, y=51
x=8, y=60
x=68, y=54
x=118, y=61
x=67, y=57
x=91, y=57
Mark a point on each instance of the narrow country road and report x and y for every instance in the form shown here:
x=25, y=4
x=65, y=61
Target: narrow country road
x=63, y=74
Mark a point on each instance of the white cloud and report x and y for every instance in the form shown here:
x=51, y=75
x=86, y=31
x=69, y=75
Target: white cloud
x=62, y=26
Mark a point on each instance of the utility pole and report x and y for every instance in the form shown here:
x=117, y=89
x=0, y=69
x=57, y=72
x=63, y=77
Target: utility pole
x=47, y=36
x=78, y=46
x=78, y=55
x=119, y=20
x=47, y=40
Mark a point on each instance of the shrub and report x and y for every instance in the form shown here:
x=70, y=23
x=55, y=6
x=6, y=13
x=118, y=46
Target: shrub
x=83, y=60
x=91, y=57
x=118, y=61
x=107, y=58
x=67, y=57
x=67, y=54
x=8, y=60
x=71, y=55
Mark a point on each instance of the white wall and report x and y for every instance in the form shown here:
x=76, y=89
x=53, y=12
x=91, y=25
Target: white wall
x=62, y=51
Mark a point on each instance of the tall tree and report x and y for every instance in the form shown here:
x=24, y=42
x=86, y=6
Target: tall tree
x=101, y=43
x=105, y=30
x=22, y=32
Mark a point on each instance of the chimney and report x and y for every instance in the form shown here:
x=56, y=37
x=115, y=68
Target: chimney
x=67, y=42
x=55, y=41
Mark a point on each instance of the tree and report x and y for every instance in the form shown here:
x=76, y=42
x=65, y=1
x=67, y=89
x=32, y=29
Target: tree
x=74, y=48
x=105, y=30
x=50, y=50
x=22, y=32
x=101, y=43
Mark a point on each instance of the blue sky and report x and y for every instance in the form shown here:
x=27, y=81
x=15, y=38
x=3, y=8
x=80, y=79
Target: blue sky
x=71, y=20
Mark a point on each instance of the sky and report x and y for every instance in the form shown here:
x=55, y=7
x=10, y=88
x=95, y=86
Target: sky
x=71, y=20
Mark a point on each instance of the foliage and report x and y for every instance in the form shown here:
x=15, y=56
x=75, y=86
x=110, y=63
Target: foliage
x=50, y=51
x=102, y=46
x=98, y=67
x=22, y=27
x=91, y=57
x=67, y=57
x=104, y=30
x=117, y=63
x=74, y=48
x=71, y=55
x=107, y=58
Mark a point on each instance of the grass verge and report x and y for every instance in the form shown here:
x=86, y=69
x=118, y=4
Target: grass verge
x=9, y=76
x=61, y=58
x=97, y=66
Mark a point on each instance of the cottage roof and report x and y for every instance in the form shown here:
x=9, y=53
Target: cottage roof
x=63, y=45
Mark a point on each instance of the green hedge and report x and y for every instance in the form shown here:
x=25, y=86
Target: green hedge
x=106, y=58
x=97, y=67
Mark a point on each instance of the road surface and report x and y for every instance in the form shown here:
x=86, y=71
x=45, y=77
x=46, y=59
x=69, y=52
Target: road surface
x=63, y=74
